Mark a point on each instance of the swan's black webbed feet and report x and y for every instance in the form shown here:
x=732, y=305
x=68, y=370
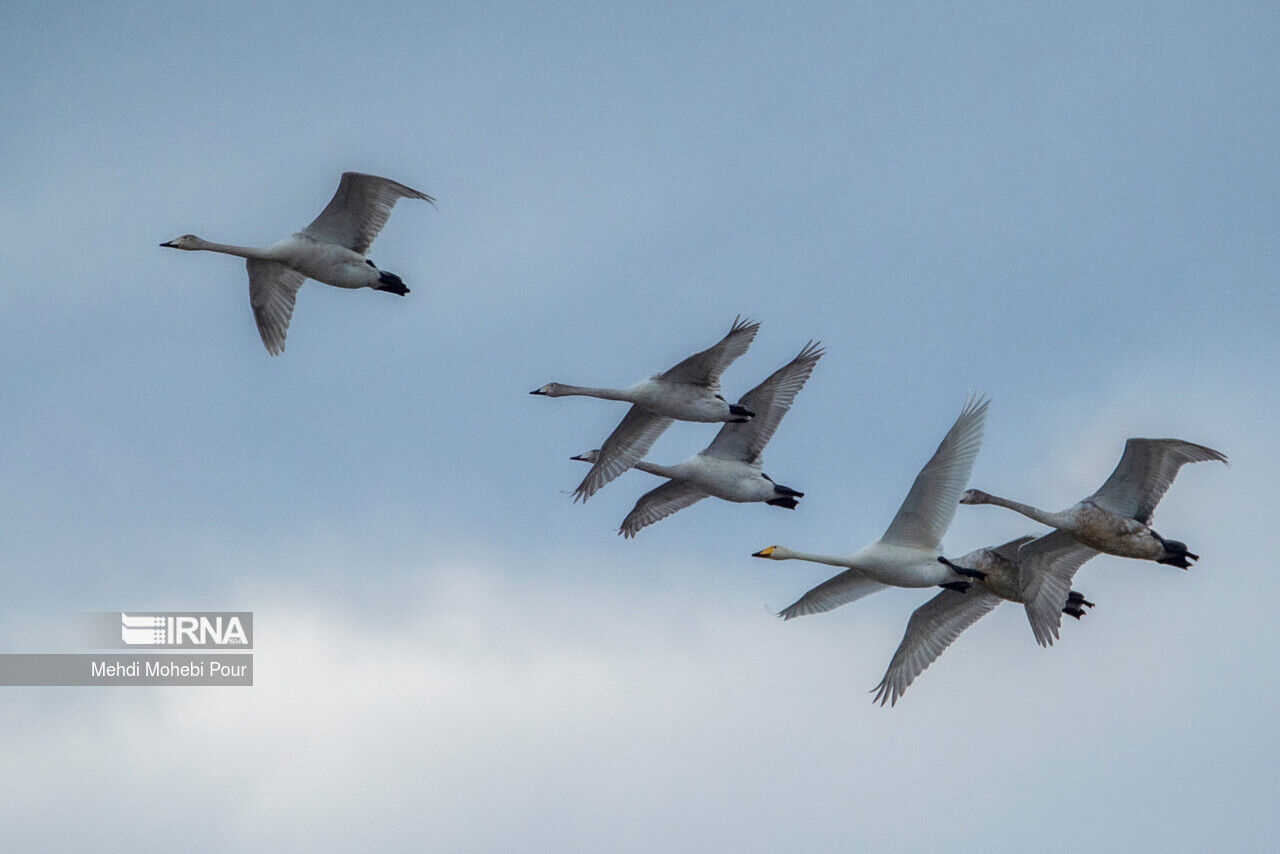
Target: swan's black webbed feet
x=957, y=586
x=391, y=283
x=962, y=570
x=783, y=501
x=1075, y=597
x=741, y=411
x=1175, y=553
x=1076, y=604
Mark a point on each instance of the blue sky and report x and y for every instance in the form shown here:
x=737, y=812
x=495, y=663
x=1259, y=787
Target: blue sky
x=1069, y=207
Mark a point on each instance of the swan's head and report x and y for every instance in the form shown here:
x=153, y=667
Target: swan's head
x=551, y=390
x=774, y=553
x=186, y=241
x=588, y=457
x=975, y=496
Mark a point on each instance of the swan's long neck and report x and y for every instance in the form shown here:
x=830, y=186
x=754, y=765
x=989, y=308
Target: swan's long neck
x=588, y=391
x=829, y=560
x=1044, y=517
x=668, y=472
x=240, y=251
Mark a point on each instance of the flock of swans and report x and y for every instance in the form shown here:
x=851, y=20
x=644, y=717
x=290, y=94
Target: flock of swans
x=1035, y=571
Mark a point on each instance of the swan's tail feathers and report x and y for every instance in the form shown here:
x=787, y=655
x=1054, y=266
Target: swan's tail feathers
x=1076, y=604
x=784, y=501
x=391, y=283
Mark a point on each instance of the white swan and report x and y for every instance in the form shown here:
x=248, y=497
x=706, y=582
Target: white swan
x=330, y=250
x=936, y=624
x=687, y=392
x=909, y=555
x=728, y=468
x=1116, y=519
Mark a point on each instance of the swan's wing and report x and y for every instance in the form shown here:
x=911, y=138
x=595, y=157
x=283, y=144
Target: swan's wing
x=659, y=504
x=359, y=210
x=1045, y=569
x=705, y=368
x=931, y=504
x=626, y=446
x=1145, y=471
x=933, y=627
x=272, y=289
x=769, y=401
x=849, y=586
x=1009, y=551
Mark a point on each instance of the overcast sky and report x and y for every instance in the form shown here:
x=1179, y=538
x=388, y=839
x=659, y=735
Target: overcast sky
x=1070, y=207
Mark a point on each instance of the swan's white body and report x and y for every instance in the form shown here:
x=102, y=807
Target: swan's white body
x=730, y=467
x=330, y=250
x=1090, y=524
x=936, y=624
x=907, y=555
x=675, y=400
x=688, y=391
x=731, y=480
x=1116, y=520
x=325, y=262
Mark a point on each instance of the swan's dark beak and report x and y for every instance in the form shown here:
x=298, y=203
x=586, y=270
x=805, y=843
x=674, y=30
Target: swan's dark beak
x=537, y=391
x=765, y=552
x=580, y=458
x=168, y=243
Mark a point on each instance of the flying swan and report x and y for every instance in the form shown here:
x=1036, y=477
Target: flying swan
x=687, y=392
x=730, y=467
x=936, y=624
x=1116, y=520
x=330, y=250
x=909, y=554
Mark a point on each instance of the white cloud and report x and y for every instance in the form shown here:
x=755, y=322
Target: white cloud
x=645, y=708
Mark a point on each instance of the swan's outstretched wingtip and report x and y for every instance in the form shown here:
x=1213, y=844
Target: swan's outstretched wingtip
x=884, y=694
